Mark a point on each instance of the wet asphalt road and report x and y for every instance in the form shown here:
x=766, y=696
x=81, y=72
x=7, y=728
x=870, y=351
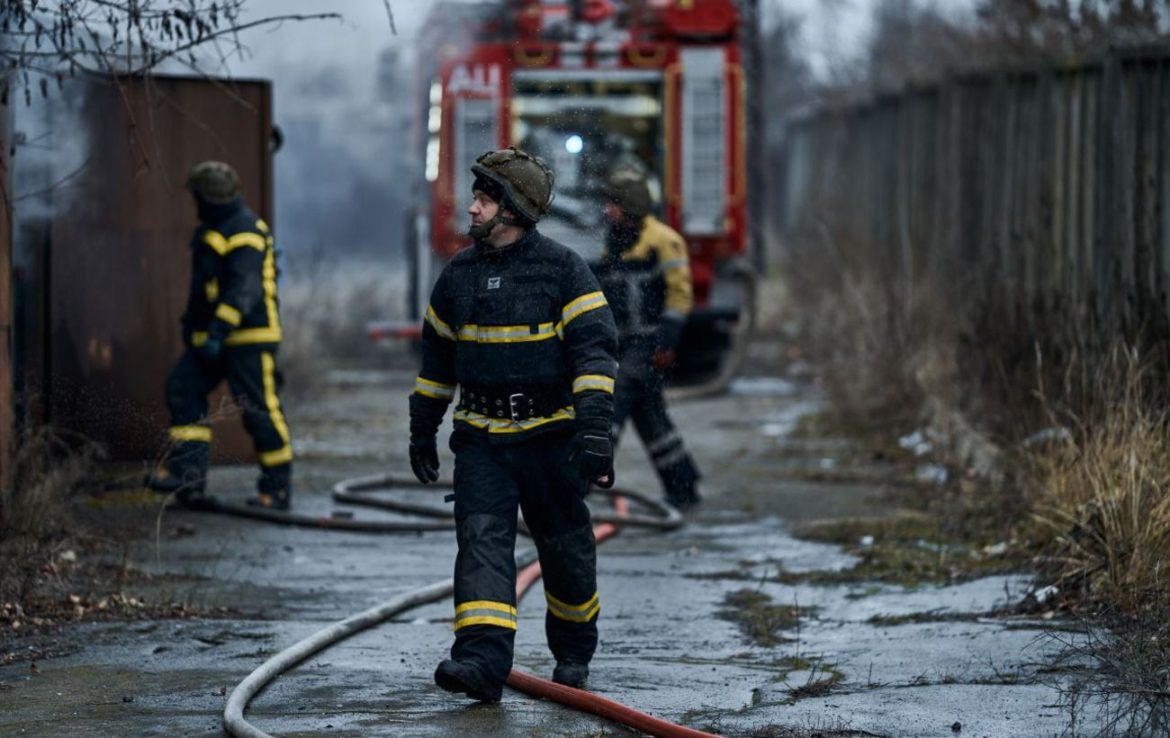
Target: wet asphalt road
x=664, y=649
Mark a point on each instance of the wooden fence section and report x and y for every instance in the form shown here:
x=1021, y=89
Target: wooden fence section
x=1041, y=194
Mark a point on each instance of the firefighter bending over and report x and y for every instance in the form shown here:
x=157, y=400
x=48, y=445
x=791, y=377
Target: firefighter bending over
x=519, y=323
x=647, y=280
x=231, y=330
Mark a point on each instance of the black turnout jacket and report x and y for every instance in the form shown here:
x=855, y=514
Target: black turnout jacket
x=524, y=320
x=233, y=279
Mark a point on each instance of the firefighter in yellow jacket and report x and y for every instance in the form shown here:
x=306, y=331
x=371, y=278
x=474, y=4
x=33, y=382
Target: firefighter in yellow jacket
x=645, y=274
x=231, y=331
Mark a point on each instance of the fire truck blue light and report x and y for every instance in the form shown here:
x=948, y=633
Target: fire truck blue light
x=574, y=144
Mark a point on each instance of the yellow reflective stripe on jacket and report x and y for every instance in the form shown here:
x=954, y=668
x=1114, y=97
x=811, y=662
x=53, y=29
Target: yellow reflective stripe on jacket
x=437, y=390
x=261, y=242
x=268, y=278
x=508, y=333
x=197, y=433
x=437, y=323
x=581, y=305
x=228, y=314
x=485, y=612
x=573, y=613
x=593, y=382
x=216, y=241
x=241, y=337
x=507, y=425
x=241, y=240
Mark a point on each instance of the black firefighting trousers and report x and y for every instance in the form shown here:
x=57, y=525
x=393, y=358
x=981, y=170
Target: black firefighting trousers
x=491, y=481
x=638, y=396
x=254, y=382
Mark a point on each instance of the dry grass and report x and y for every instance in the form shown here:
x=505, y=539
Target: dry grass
x=883, y=351
x=1092, y=500
x=1101, y=520
x=36, y=518
x=1102, y=513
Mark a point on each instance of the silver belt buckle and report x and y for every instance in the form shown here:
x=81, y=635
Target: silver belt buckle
x=513, y=399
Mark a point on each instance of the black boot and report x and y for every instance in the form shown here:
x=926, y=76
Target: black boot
x=571, y=674
x=681, y=482
x=185, y=475
x=466, y=679
x=274, y=490
x=683, y=496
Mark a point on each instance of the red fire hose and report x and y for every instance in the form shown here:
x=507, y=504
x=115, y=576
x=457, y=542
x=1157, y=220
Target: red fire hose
x=579, y=699
x=235, y=723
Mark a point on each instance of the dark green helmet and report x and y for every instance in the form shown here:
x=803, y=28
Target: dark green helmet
x=214, y=181
x=525, y=181
x=627, y=188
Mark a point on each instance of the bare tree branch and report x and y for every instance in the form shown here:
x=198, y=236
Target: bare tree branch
x=390, y=16
x=120, y=37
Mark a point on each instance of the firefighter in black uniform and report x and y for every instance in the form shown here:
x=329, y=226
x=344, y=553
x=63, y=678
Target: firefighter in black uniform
x=231, y=330
x=517, y=322
x=646, y=278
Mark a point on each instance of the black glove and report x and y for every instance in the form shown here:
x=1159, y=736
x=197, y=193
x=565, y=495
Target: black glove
x=211, y=348
x=594, y=452
x=424, y=458
x=217, y=333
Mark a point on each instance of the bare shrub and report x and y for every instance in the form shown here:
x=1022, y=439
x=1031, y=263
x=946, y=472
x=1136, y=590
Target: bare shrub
x=1122, y=681
x=884, y=349
x=36, y=518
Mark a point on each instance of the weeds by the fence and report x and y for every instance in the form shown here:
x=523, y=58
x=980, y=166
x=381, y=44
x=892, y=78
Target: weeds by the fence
x=882, y=353
x=36, y=519
x=1084, y=432
x=1103, y=507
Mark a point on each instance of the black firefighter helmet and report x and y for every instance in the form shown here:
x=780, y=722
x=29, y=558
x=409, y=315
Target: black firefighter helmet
x=518, y=181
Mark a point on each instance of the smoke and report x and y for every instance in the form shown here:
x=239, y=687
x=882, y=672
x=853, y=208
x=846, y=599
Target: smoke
x=342, y=98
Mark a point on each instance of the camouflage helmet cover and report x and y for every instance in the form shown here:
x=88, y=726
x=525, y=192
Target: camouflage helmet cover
x=525, y=180
x=214, y=181
x=627, y=188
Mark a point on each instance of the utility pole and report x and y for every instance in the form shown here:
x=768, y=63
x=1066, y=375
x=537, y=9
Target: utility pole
x=6, y=322
x=753, y=57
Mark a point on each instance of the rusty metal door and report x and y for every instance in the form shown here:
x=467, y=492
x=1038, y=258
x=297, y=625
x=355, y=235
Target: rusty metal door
x=118, y=262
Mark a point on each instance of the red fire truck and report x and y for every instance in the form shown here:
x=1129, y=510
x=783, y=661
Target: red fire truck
x=591, y=86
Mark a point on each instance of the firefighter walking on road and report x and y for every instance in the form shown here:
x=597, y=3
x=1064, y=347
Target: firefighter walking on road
x=519, y=324
x=231, y=330
x=646, y=278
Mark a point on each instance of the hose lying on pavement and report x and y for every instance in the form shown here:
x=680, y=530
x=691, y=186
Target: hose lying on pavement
x=299, y=520
x=579, y=698
x=358, y=492
x=233, y=717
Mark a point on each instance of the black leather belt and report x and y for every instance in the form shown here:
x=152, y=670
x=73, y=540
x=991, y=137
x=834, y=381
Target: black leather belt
x=508, y=404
